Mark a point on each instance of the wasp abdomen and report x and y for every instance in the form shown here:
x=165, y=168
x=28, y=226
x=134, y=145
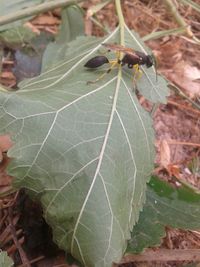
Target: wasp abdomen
x=96, y=62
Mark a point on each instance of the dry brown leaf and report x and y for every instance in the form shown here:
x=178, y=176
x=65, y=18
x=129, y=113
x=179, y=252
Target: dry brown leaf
x=7, y=78
x=7, y=75
x=174, y=170
x=46, y=20
x=88, y=27
x=32, y=27
x=5, y=144
x=164, y=154
x=186, y=77
x=5, y=180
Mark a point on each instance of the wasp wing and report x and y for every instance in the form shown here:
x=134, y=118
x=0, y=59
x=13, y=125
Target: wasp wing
x=120, y=48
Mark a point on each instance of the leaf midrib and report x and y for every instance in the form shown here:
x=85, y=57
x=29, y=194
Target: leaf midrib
x=100, y=159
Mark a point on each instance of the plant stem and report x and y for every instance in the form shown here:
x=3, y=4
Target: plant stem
x=121, y=21
x=179, y=19
x=193, y=4
x=31, y=11
x=179, y=91
x=162, y=255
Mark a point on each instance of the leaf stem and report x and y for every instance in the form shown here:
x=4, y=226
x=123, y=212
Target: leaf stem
x=121, y=20
x=34, y=10
x=191, y=4
x=179, y=19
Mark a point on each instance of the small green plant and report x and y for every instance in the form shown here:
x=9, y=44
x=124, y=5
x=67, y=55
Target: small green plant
x=5, y=261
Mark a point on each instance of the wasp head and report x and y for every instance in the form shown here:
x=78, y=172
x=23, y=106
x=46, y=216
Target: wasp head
x=149, y=61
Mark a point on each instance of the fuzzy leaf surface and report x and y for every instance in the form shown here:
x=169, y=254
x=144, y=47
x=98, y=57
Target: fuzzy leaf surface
x=165, y=206
x=85, y=151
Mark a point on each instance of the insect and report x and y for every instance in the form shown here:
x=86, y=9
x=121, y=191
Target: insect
x=131, y=58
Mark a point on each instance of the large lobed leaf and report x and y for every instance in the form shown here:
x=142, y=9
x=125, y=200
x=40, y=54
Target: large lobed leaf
x=85, y=151
x=165, y=206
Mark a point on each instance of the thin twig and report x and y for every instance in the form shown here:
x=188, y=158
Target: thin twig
x=12, y=249
x=17, y=243
x=183, y=107
x=164, y=255
x=33, y=261
x=34, y=10
x=174, y=142
x=180, y=92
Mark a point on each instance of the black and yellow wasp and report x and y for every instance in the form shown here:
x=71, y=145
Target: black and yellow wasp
x=131, y=58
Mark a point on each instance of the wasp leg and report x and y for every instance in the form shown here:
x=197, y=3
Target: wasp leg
x=137, y=72
x=112, y=63
x=136, y=75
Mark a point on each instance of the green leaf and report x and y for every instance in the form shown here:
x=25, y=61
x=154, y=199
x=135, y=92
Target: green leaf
x=85, y=151
x=71, y=27
x=15, y=5
x=192, y=265
x=178, y=208
x=17, y=35
x=2, y=88
x=5, y=261
x=72, y=24
x=11, y=6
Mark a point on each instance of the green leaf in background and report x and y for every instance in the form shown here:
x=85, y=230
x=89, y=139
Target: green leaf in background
x=15, y=5
x=71, y=27
x=85, y=151
x=28, y=58
x=11, y=6
x=192, y=265
x=165, y=206
x=17, y=36
x=5, y=261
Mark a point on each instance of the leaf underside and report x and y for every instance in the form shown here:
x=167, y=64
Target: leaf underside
x=85, y=151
